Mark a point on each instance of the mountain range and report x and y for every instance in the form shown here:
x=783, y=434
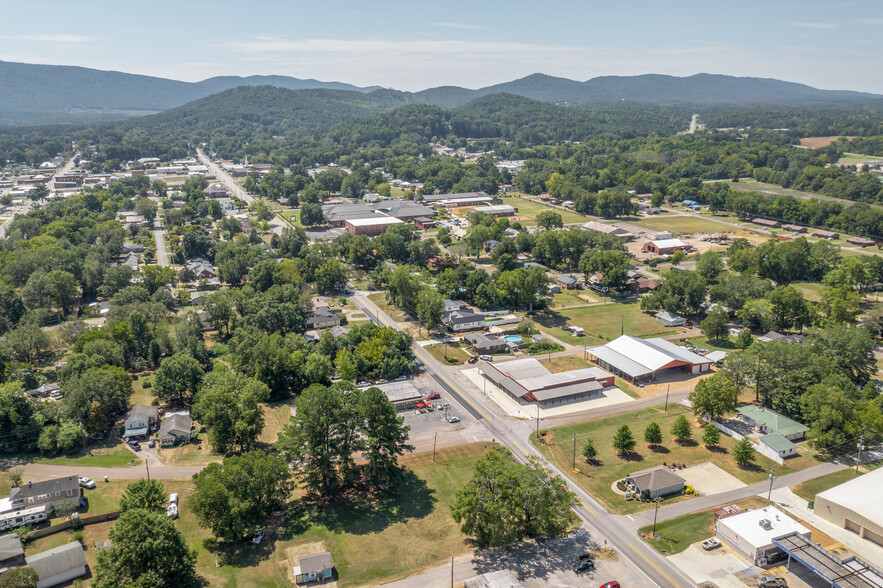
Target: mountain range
x=44, y=94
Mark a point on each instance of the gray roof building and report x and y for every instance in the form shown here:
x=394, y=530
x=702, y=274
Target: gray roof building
x=486, y=343
x=58, y=565
x=657, y=481
x=48, y=492
x=439, y=197
x=12, y=553
x=174, y=428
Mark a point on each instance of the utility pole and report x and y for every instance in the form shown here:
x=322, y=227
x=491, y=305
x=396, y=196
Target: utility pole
x=147, y=464
x=452, y=571
x=574, y=452
x=538, y=419
x=586, y=347
x=655, y=514
x=861, y=445
x=434, y=441
x=666, y=398
x=772, y=477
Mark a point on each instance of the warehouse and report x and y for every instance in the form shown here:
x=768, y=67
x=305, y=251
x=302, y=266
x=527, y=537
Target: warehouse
x=370, y=226
x=666, y=246
x=527, y=381
x=497, y=210
x=634, y=358
x=855, y=506
x=752, y=532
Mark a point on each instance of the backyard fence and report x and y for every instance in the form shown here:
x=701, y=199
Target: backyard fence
x=759, y=447
x=45, y=531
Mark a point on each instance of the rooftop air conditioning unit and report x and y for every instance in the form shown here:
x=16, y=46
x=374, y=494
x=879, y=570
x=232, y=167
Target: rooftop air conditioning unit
x=765, y=523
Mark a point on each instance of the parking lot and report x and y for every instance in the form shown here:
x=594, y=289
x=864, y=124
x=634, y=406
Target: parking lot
x=428, y=426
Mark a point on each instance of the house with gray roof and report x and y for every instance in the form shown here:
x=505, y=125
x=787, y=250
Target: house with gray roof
x=322, y=318
x=175, y=428
x=463, y=320
x=59, y=565
x=12, y=554
x=658, y=481
x=139, y=422
x=46, y=493
x=314, y=568
x=484, y=344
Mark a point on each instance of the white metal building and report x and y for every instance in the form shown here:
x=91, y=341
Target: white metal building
x=634, y=358
x=855, y=506
x=752, y=532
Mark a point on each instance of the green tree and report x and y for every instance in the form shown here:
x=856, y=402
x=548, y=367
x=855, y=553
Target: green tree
x=623, y=440
x=429, y=308
x=848, y=349
x=713, y=397
x=743, y=452
x=789, y=309
x=106, y=389
x=681, y=429
x=318, y=369
x=20, y=419
x=711, y=435
x=549, y=219
x=178, y=378
x=589, y=450
x=714, y=325
x=19, y=578
x=653, y=434
x=146, y=550
x=157, y=277
x=311, y=215
x=677, y=257
x=330, y=277
x=233, y=499
x=744, y=340
x=229, y=405
x=384, y=435
x=710, y=265
x=149, y=495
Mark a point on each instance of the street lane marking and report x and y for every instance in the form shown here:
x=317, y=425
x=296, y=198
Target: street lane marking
x=586, y=506
x=654, y=565
x=520, y=448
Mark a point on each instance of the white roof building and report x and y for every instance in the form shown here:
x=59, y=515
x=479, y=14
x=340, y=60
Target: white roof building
x=855, y=506
x=634, y=358
x=752, y=532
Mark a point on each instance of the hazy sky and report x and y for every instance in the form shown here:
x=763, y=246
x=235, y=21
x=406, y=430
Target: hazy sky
x=415, y=44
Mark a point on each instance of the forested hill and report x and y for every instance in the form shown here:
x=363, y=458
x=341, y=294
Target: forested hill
x=696, y=89
x=45, y=94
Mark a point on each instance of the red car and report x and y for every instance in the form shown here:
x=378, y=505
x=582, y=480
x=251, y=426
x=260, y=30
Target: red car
x=433, y=396
x=610, y=585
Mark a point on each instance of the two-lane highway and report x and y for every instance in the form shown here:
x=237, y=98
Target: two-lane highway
x=514, y=435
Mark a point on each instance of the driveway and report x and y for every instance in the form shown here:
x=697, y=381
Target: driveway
x=708, y=478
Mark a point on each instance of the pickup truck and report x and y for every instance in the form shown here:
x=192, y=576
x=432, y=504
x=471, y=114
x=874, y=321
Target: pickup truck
x=710, y=544
x=771, y=582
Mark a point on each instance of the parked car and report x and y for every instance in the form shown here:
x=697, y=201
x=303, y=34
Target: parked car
x=401, y=378
x=259, y=536
x=473, y=359
x=453, y=419
x=151, y=443
x=172, y=511
x=770, y=582
x=87, y=483
x=712, y=543
x=485, y=358
x=583, y=565
x=173, y=498
x=364, y=384
x=134, y=445
x=613, y=584
x=433, y=396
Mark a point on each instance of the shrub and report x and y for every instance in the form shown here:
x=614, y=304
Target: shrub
x=544, y=347
x=77, y=536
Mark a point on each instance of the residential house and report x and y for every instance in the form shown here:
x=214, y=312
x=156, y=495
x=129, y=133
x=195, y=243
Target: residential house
x=175, y=428
x=769, y=421
x=46, y=493
x=860, y=241
x=568, y=282
x=794, y=228
x=314, y=568
x=12, y=554
x=339, y=331
x=131, y=261
x=132, y=248
x=486, y=344
x=140, y=420
x=46, y=390
x=829, y=235
x=670, y=319
x=775, y=336
x=215, y=191
x=658, y=481
x=463, y=320
x=765, y=223
x=778, y=443
x=201, y=267
x=642, y=284
x=58, y=565
x=322, y=318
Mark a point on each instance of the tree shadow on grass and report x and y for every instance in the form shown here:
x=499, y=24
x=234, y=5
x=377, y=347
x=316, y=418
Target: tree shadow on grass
x=716, y=449
x=550, y=319
x=282, y=525
x=360, y=511
x=753, y=467
x=631, y=456
x=687, y=442
x=659, y=449
x=537, y=559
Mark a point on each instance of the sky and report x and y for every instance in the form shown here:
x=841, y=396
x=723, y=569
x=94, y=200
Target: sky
x=415, y=45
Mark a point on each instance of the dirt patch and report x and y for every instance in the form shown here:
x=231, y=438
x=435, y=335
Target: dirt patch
x=818, y=142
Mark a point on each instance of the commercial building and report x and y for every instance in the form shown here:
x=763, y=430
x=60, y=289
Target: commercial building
x=794, y=228
x=497, y=210
x=528, y=381
x=607, y=229
x=403, y=395
x=829, y=235
x=634, y=359
x=855, y=506
x=769, y=421
x=462, y=196
x=852, y=572
x=860, y=241
x=765, y=223
x=653, y=482
x=752, y=532
x=666, y=246
x=370, y=226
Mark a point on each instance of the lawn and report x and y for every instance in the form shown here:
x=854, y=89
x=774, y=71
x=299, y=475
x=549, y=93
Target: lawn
x=291, y=215
x=110, y=453
x=531, y=209
x=810, y=290
x=142, y=395
x=569, y=299
x=372, y=541
x=675, y=535
x=727, y=345
x=680, y=225
x=597, y=479
x=808, y=490
x=439, y=350
x=602, y=323
x=197, y=452
x=276, y=416
x=394, y=313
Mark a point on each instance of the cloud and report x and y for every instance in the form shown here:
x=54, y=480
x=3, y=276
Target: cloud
x=457, y=25
x=814, y=25
x=53, y=38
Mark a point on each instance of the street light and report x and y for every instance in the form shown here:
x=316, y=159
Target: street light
x=772, y=477
x=574, y=452
x=655, y=513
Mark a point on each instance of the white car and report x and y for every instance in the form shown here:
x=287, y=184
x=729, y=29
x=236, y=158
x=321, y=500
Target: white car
x=258, y=537
x=87, y=483
x=454, y=419
x=401, y=378
x=173, y=498
x=172, y=511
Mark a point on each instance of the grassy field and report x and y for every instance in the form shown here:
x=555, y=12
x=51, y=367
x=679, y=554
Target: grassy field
x=372, y=541
x=808, y=490
x=602, y=323
x=569, y=300
x=857, y=159
x=675, y=535
x=439, y=350
x=276, y=416
x=530, y=208
x=292, y=215
x=811, y=291
x=598, y=478
x=394, y=313
x=680, y=225
x=109, y=454
x=727, y=346
x=141, y=395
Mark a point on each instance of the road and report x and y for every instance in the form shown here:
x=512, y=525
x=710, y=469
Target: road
x=162, y=254
x=514, y=434
x=276, y=224
x=693, y=122
x=44, y=471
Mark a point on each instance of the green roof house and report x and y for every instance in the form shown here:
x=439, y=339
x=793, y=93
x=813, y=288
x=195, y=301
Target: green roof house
x=779, y=444
x=769, y=421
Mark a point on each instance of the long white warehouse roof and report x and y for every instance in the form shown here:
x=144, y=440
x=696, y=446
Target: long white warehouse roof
x=637, y=357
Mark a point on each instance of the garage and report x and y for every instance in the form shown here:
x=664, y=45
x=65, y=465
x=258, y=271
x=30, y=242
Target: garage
x=874, y=537
x=852, y=526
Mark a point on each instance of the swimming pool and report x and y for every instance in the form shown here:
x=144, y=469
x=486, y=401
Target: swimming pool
x=513, y=338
